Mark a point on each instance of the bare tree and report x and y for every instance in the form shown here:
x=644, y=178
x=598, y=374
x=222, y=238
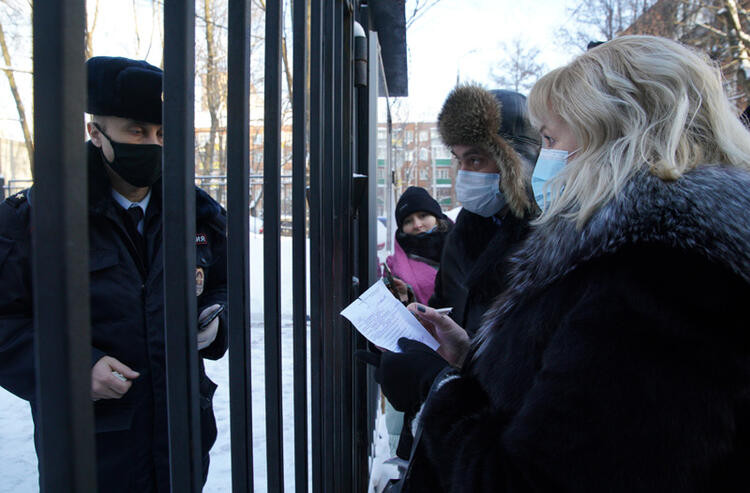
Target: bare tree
x=719, y=28
x=9, y=70
x=213, y=67
x=261, y=4
x=519, y=69
x=420, y=8
x=89, y=34
x=600, y=20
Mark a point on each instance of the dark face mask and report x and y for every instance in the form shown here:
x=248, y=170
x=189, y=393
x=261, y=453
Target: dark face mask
x=137, y=164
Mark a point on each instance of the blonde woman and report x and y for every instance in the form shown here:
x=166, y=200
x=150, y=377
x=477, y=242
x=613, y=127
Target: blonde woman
x=619, y=359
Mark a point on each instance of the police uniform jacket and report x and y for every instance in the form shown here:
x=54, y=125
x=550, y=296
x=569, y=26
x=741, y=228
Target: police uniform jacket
x=127, y=323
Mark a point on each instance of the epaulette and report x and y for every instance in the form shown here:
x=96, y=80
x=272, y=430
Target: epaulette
x=16, y=200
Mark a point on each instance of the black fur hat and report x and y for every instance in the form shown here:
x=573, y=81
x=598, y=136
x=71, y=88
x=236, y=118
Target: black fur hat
x=125, y=88
x=497, y=122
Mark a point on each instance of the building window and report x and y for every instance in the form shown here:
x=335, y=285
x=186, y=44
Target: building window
x=439, y=151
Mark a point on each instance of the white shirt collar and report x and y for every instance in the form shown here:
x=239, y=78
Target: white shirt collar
x=126, y=204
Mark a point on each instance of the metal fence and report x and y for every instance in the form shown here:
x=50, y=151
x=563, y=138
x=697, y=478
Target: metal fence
x=13, y=186
x=341, y=238
x=216, y=186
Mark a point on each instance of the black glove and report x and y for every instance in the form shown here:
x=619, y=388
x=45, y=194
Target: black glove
x=405, y=377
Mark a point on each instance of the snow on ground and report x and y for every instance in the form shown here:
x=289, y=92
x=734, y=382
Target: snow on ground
x=380, y=471
x=453, y=213
x=17, y=456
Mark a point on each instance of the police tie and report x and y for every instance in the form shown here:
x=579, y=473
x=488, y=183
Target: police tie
x=136, y=214
x=133, y=217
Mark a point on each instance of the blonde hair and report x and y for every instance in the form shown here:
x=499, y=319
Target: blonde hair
x=635, y=104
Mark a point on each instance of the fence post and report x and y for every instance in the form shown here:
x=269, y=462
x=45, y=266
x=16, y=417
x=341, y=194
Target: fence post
x=2, y=188
x=238, y=206
x=180, y=310
x=272, y=245
x=299, y=273
x=65, y=415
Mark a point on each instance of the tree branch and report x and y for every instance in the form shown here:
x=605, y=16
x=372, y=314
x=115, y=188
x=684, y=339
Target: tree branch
x=712, y=29
x=17, y=97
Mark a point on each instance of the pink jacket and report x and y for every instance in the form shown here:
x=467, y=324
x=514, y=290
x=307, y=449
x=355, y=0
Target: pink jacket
x=419, y=275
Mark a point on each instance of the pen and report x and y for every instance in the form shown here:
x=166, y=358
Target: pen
x=444, y=310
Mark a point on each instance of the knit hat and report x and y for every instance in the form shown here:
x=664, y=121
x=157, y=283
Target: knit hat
x=416, y=199
x=497, y=122
x=125, y=88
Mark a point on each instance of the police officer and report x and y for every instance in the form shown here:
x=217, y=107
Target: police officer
x=128, y=380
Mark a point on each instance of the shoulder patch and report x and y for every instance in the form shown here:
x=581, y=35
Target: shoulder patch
x=17, y=199
x=200, y=239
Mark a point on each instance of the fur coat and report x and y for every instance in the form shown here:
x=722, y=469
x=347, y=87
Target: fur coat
x=619, y=358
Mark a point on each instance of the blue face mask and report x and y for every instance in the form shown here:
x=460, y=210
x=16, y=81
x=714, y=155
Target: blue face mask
x=479, y=192
x=548, y=165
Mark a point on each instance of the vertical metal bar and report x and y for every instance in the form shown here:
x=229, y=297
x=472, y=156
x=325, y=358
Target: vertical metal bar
x=238, y=264
x=60, y=253
x=317, y=124
x=329, y=248
x=272, y=245
x=341, y=279
x=179, y=247
x=345, y=57
x=372, y=166
x=299, y=277
x=366, y=262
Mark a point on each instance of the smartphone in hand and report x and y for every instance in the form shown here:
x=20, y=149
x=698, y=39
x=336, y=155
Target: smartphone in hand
x=388, y=280
x=405, y=296
x=210, y=318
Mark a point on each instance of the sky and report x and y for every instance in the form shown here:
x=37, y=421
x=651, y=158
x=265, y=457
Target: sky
x=465, y=37
x=455, y=37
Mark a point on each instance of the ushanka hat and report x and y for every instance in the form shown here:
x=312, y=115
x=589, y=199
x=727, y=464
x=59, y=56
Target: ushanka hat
x=415, y=199
x=123, y=87
x=497, y=122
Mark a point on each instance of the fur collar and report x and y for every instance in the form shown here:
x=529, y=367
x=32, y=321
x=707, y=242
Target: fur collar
x=704, y=212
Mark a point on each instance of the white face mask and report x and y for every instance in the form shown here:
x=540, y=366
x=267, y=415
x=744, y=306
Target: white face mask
x=548, y=165
x=479, y=192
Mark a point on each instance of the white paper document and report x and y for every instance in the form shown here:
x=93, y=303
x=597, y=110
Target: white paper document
x=383, y=320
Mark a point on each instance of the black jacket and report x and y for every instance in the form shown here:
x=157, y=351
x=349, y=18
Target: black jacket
x=473, y=269
x=619, y=358
x=127, y=323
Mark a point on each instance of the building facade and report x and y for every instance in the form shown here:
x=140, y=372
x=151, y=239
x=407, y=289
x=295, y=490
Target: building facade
x=420, y=159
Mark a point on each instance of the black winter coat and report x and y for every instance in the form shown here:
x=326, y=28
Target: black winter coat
x=473, y=270
x=618, y=360
x=127, y=323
